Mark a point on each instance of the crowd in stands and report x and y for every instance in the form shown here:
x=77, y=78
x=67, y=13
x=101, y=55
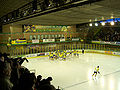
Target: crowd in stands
x=14, y=76
x=108, y=34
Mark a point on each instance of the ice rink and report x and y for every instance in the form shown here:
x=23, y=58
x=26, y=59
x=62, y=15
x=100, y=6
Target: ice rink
x=76, y=72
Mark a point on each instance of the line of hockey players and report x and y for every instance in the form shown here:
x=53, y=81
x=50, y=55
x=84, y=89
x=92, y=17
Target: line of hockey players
x=63, y=54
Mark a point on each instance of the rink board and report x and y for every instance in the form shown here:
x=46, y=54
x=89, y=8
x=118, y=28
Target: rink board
x=45, y=54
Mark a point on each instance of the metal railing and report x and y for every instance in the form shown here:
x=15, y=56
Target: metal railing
x=16, y=50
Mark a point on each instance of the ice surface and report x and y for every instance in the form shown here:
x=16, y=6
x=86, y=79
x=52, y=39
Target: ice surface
x=76, y=72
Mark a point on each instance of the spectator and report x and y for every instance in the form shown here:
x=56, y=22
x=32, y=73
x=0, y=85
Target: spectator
x=20, y=78
x=6, y=58
x=5, y=72
x=48, y=80
x=15, y=75
x=2, y=58
x=27, y=81
x=9, y=40
x=38, y=81
x=46, y=85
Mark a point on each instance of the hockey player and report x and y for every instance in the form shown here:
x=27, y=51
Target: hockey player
x=77, y=53
x=56, y=55
x=64, y=57
x=82, y=51
x=70, y=52
x=96, y=71
x=74, y=52
x=51, y=56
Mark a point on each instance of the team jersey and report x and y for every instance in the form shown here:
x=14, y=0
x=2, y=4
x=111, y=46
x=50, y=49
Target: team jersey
x=96, y=69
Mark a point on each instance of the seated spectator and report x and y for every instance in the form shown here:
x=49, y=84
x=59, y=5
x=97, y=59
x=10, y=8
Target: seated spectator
x=27, y=81
x=38, y=81
x=20, y=78
x=46, y=85
x=48, y=80
x=5, y=57
x=5, y=72
x=15, y=75
x=2, y=57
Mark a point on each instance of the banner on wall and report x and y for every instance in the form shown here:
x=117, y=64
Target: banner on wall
x=96, y=42
x=62, y=39
x=40, y=28
x=35, y=41
x=48, y=40
x=75, y=39
x=106, y=42
x=118, y=43
x=19, y=42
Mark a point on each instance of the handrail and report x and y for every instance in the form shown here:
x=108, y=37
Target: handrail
x=31, y=49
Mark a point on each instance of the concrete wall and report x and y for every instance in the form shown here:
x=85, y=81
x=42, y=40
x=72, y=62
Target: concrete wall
x=11, y=30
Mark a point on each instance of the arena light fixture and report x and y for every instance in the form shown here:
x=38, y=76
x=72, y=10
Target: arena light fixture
x=112, y=23
x=4, y=20
x=96, y=24
x=90, y=24
x=103, y=23
x=112, y=16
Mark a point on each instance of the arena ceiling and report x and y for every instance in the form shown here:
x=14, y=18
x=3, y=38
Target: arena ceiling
x=76, y=15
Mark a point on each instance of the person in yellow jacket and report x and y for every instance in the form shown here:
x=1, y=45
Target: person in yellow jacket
x=96, y=71
x=51, y=56
x=77, y=53
x=74, y=52
x=64, y=57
